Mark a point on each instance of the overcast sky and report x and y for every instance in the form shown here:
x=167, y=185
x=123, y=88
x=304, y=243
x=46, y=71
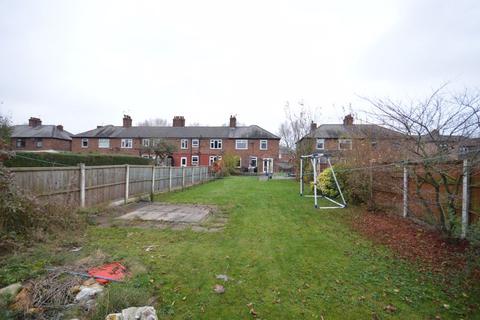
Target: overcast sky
x=84, y=63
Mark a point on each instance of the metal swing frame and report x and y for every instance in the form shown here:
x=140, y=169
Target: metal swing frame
x=314, y=159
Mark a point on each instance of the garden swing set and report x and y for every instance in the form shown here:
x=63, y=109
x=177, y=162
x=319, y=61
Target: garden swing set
x=315, y=160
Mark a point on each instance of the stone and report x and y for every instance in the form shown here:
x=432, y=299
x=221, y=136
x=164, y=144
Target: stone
x=134, y=313
x=11, y=290
x=88, y=293
x=219, y=289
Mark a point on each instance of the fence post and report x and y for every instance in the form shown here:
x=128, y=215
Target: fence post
x=169, y=179
x=82, y=185
x=127, y=181
x=465, y=199
x=183, y=178
x=193, y=176
x=153, y=183
x=405, y=190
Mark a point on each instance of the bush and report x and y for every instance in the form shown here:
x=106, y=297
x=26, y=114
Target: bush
x=25, y=219
x=30, y=159
x=326, y=183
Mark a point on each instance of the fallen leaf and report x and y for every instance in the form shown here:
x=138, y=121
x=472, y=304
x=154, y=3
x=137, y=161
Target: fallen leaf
x=390, y=308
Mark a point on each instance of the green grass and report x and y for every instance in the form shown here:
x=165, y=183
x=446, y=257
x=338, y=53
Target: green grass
x=289, y=260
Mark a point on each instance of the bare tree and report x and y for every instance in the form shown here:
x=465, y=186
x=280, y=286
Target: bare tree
x=438, y=131
x=295, y=126
x=156, y=122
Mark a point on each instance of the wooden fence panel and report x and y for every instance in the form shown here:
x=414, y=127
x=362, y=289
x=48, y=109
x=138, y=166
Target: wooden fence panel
x=103, y=184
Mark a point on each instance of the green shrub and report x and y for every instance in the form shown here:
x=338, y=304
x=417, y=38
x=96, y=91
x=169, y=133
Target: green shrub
x=326, y=183
x=45, y=159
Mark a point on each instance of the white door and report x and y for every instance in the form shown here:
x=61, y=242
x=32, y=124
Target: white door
x=267, y=165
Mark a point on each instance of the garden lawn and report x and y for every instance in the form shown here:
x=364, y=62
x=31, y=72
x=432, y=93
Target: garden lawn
x=284, y=260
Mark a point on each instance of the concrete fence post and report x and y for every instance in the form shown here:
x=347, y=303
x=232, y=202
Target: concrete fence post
x=152, y=191
x=193, y=175
x=183, y=178
x=127, y=181
x=82, y=185
x=405, y=191
x=169, y=179
x=465, y=198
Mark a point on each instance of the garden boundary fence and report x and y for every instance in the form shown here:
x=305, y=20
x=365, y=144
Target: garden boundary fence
x=86, y=186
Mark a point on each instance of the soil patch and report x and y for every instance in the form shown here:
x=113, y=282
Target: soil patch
x=412, y=241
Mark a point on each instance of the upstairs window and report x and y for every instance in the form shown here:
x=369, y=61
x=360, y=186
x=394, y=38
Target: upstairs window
x=38, y=142
x=104, y=143
x=215, y=143
x=184, y=144
x=21, y=143
x=320, y=144
x=126, y=143
x=241, y=144
x=195, y=143
x=344, y=144
x=84, y=143
x=263, y=144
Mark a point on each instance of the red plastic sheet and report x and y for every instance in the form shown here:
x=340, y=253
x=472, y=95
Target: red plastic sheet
x=114, y=271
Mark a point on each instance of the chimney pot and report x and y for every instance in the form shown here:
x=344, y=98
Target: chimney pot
x=178, y=121
x=34, y=122
x=127, y=121
x=59, y=127
x=233, y=122
x=348, y=120
x=313, y=126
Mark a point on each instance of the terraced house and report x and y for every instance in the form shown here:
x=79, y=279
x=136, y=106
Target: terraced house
x=40, y=137
x=255, y=149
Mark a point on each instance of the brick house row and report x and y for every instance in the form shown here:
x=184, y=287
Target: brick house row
x=374, y=143
x=39, y=137
x=255, y=149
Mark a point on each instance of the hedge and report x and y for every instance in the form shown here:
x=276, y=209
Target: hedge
x=30, y=159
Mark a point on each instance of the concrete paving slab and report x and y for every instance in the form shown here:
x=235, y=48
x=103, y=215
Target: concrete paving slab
x=181, y=213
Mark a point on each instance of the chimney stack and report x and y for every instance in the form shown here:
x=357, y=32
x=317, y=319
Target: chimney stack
x=313, y=126
x=34, y=122
x=127, y=121
x=178, y=121
x=348, y=120
x=233, y=122
x=60, y=127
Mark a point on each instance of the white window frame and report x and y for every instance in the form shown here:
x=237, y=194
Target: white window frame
x=241, y=141
x=212, y=159
x=104, y=145
x=264, y=142
x=195, y=160
x=38, y=143
x=250, y=161
x=239, y=159
x=146, y=142
x=182, y=159
x=340, y=141
x=84, y=142
x=195, y=143
x=184, y=144
x=127, y=143
x=216, y=144
x=21, y=143
x=322, y=142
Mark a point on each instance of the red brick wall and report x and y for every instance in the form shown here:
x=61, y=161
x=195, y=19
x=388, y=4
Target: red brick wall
x=47, y=144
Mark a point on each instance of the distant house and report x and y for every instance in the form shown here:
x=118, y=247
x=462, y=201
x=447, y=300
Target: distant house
x=40, y=137
x=255, y=148
x=338, y=140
